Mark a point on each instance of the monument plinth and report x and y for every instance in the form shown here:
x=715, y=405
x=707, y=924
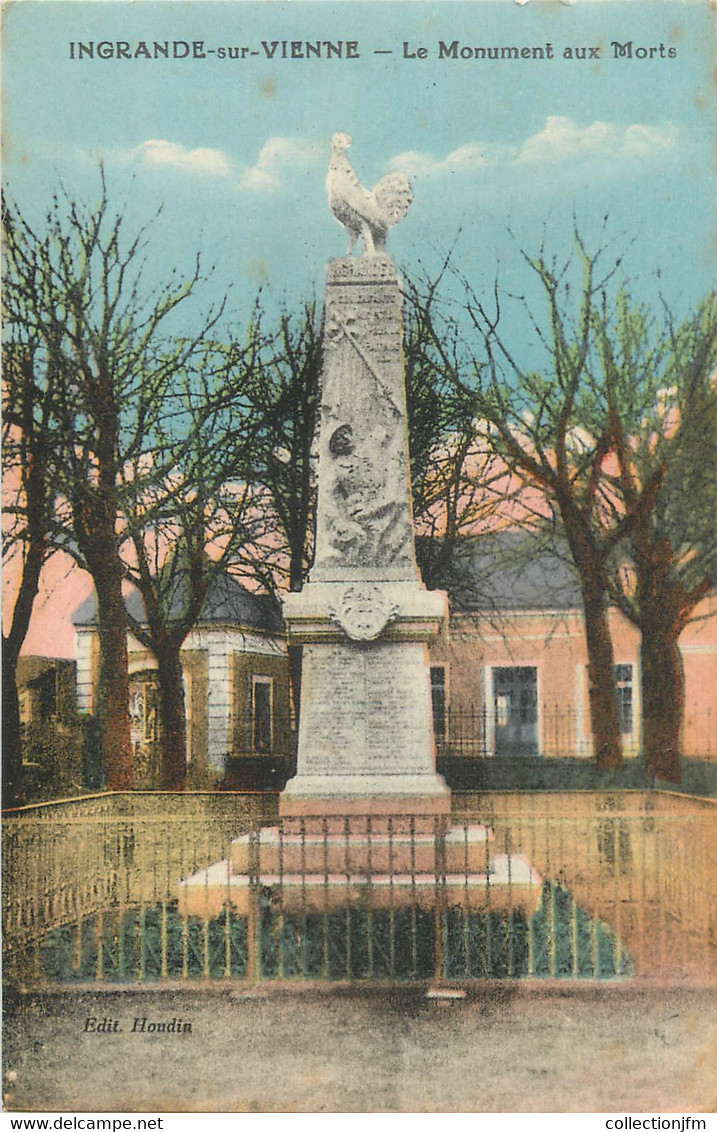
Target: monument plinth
x=364, y=616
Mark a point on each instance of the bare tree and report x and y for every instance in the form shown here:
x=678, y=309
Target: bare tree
x=282, y=391
x=460, y=487
x=28, y=436
x=658, y=385
x=531, y=418
x=193, y=517
x=585, y=426
x=96, y=328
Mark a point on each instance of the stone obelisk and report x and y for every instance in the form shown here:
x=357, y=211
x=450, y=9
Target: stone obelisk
x=364, y=617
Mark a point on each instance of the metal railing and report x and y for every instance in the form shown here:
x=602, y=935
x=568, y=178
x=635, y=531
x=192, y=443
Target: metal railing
x=549, y=730
x=138, y=888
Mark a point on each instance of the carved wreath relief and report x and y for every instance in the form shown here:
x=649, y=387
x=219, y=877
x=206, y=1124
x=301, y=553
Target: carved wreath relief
x=363, y=611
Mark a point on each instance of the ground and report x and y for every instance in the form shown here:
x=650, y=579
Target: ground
x=504, y=1048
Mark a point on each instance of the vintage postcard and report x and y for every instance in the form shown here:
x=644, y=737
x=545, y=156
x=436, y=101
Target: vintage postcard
x=360, y=554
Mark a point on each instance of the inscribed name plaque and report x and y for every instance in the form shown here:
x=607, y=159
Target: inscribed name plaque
x=363, y=709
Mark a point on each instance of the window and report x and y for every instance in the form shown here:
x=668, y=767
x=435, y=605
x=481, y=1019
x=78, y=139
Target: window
x=623, y=691
x=261, y=703
x=143, y=708
x=438, y=702
x=24, y=703
x=47, y=695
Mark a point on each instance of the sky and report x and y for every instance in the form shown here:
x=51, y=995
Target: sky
x=502, y=154
x=236, y=150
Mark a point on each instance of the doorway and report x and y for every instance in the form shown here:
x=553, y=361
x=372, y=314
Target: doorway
x=515, y=707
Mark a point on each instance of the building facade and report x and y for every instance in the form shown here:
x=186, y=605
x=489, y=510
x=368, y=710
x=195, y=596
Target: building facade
x=508, y=678
x=509, y=674
x=51, y=731
x=236, y=685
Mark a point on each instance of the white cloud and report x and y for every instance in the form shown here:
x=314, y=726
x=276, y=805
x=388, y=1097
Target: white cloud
x=467, y=156
x=414, y=163
x=560, y=139
x=643, y=140
x=473, y=155
x=276, y=154
x=167, y=154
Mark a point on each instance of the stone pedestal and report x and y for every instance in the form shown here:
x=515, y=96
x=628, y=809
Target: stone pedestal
x=364, y=617
x=365, y=734
x=318, y=865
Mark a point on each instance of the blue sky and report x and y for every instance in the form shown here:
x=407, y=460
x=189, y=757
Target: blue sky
x=236, y=150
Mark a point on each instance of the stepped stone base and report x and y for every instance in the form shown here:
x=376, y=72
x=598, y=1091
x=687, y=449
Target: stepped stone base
x=323, y=865
x=396, y=852
x=512, y=885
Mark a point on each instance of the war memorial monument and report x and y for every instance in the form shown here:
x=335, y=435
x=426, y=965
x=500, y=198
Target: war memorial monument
x=366, y=806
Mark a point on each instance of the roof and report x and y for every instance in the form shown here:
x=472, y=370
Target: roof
x=228, y=602
x=505, y=571
x=509, y=571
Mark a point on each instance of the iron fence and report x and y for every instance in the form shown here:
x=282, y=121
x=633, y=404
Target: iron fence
x=549, y=730
x=151, y=888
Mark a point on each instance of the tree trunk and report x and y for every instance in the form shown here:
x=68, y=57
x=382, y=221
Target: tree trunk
x=12, y=794
x=35, y=557
x=114, y=680
x=604, y=714
x=172, y=719
x=663, y=697
x=664, y=607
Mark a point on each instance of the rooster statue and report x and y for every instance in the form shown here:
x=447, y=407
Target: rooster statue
x=364, y=213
